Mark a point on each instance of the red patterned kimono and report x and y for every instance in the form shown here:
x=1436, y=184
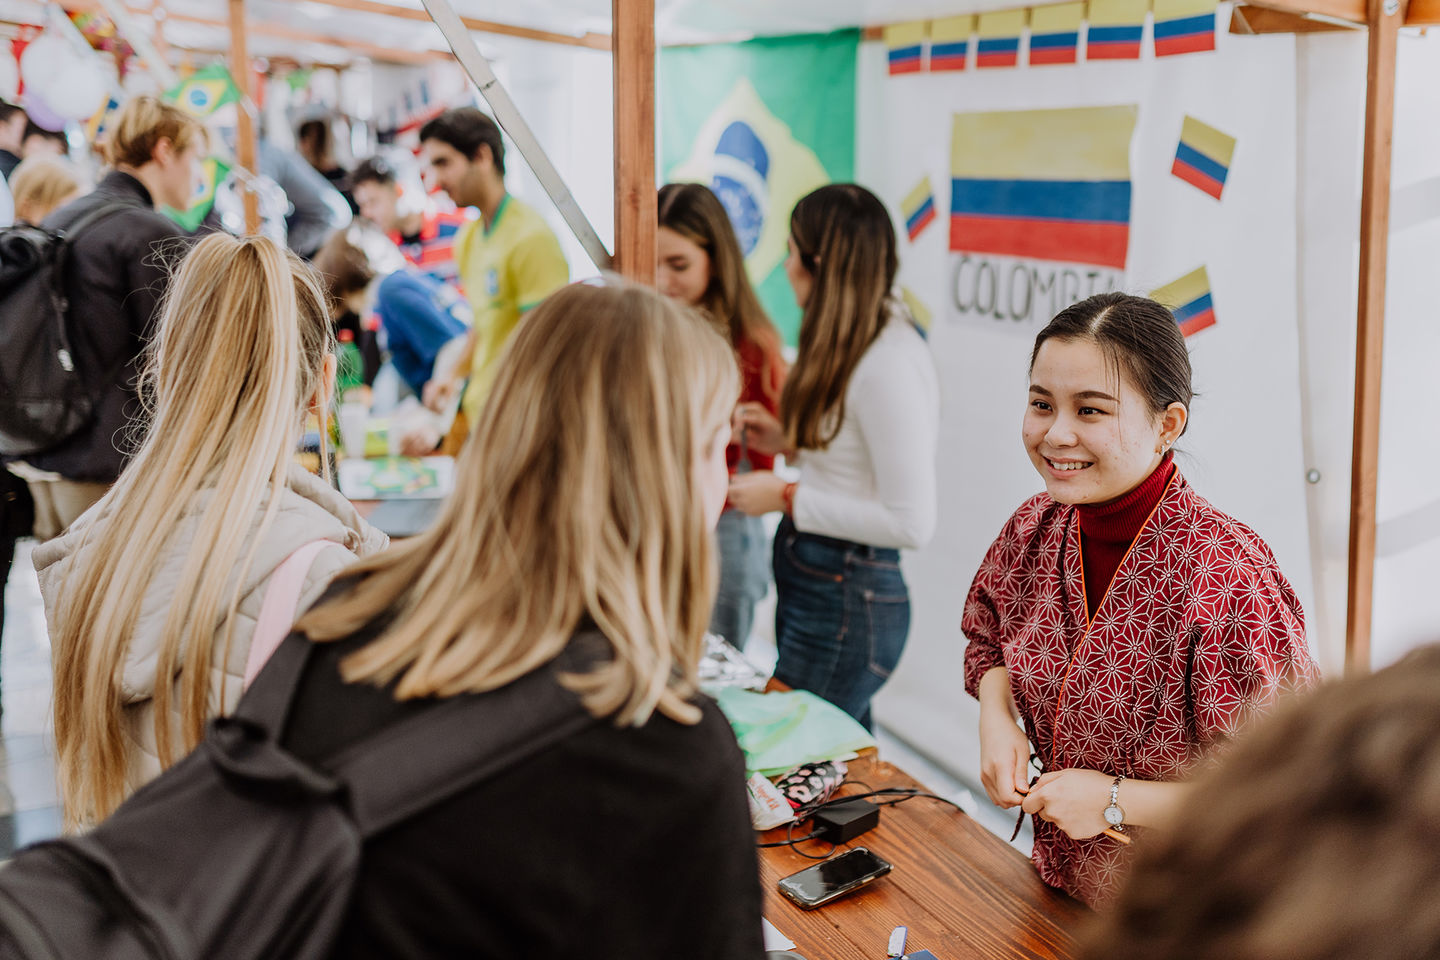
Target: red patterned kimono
x=1198, y=629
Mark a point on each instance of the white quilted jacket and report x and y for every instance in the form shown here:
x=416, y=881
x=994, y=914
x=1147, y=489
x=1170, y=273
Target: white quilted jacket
x=310, y=510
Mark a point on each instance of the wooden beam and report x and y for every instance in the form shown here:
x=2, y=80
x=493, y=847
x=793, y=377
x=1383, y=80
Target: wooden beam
x=1423, y=13
x=1249, y=20
x=1386, y=17
x=635, y=205
x=594, y=41
x=374, y=51
x=245, y=133
x=1352, y=11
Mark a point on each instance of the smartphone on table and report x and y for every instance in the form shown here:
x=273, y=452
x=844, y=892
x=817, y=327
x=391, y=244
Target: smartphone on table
x=818, y=885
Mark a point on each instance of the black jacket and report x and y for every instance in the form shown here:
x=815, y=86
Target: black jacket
x=116, y=275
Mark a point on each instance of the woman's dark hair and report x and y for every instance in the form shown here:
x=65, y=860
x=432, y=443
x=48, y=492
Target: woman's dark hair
x=1139, y=336
x=847, y=242
x=465, y=129
x=343, y=266
x=1314, y=839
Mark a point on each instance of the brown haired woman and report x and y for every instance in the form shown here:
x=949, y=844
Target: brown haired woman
x=630, y=838
x=1314, y=840
x=1126, y=621
x=115, y=282
x=861, y=416
x=701, y=265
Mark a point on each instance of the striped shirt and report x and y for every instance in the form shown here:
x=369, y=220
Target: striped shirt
x=432, y=250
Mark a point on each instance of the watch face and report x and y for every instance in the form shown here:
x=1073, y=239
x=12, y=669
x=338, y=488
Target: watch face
x=1114, y=815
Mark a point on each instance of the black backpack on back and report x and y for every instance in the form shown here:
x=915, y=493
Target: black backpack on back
x=242, y=851
x=45, y=399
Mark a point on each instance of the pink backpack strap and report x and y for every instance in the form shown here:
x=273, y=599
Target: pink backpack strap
x=277, y=610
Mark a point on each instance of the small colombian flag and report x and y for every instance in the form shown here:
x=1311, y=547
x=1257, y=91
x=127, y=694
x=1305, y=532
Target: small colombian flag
x=1189, y=299
x=999, y=43
x=918, y=208
x=949, y=42
x=1184, y=26
x=1116, y=28
x=1203, y=157
x=1055, y=33
x=918, y=311
x=907, y=45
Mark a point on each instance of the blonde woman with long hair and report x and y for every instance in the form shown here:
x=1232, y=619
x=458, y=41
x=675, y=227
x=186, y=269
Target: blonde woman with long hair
x=585, y=503
x=861, y=416
x=152, y=596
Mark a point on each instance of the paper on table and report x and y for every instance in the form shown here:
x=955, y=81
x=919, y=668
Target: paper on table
x=774, y=939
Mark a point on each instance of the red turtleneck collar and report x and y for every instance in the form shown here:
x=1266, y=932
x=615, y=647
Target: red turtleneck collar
x=1108, y=529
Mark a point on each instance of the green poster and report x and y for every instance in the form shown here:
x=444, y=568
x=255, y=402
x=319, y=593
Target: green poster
x=763, y=123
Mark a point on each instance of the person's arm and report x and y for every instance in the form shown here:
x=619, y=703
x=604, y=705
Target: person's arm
x=896, y=408
x=416, y=327
x=1075, y=801
x=318, y=208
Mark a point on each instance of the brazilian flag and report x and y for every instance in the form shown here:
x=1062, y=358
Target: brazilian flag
x=204, y=197
x=204, y=91
x=762, y=123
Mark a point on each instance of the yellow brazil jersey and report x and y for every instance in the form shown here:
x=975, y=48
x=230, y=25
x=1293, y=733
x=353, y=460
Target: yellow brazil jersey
x=506, y=270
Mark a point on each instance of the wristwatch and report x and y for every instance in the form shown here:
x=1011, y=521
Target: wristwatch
x=1113, y=814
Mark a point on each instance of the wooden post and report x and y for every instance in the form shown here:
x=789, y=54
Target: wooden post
x=245, y=133
x=633, y=44
x=1386, y=17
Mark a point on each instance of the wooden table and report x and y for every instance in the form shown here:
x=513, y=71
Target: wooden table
x=962, y=891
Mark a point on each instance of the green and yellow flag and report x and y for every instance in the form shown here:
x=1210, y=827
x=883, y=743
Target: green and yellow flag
x=205, y=91
x=190, y=219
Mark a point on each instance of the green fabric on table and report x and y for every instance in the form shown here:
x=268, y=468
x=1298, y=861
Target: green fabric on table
x=780, y=731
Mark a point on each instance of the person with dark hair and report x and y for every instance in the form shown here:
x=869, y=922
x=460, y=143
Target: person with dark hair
x=425, y=236
x=13, y=121
x=1128, y=623
x=1312, y=841
x=315, y=141
x=40, y=142
x=418, y=314
x=700, y=264
x=509, y=260
x=860, y=413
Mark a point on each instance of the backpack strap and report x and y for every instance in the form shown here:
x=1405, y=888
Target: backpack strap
x=59, y=266
x=464, y=740
x=278, y=609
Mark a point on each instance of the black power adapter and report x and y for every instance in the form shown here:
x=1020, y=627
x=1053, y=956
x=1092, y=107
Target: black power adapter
x=846, y=820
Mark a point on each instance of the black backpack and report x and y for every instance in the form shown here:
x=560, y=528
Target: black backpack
x=243, y=852
x=45, y=398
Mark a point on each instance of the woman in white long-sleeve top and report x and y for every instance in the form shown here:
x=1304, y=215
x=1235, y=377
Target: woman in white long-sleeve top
x=860, y=416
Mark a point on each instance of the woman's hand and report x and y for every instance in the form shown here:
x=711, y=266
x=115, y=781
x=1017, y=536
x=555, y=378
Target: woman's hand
x=1073, y=800
x=1004, y=749
x=440, y=393
x=763, y=432
x=757, y=493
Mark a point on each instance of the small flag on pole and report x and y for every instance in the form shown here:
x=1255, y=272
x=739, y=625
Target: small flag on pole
x=1184, y=26
x=1115, y=30
x=1055, y=33
x=918, y=311
x=999, y=43
x=906, y=42
x=1189, y=299
x=950, y=43
x=1203, y=157
x=918, y=208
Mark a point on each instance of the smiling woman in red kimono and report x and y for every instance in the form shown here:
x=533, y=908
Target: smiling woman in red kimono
x=1128, y=623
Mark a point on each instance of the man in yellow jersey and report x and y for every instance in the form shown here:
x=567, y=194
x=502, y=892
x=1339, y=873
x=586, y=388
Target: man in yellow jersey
x=509, y=260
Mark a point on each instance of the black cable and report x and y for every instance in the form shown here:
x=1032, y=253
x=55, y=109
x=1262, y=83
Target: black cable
x=905, y=793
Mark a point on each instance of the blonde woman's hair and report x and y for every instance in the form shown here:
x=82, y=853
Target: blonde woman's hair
x=847, y=243
x=142, y=123
x=239, y=353
x=577, y=504
x=42, y=184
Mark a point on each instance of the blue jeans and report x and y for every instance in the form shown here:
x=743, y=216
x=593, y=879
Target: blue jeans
x=744, y=575
x=842, y=617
